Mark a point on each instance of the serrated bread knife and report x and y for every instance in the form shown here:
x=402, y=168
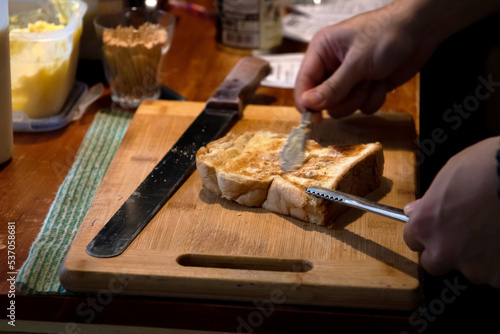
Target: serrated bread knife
x=358, y=202
x=221, y=111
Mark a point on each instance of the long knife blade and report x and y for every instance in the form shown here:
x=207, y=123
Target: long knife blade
x=222, y=110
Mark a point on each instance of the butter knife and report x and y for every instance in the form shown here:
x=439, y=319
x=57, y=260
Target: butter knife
x=292, y=154
x=358, y=202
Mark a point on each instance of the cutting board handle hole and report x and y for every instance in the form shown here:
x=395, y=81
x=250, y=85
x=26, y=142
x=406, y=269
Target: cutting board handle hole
x=244, y=263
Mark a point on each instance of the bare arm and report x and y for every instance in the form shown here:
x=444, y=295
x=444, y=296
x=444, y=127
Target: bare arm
x=353, y=64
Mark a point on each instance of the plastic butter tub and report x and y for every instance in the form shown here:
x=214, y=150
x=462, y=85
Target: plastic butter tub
x=44, y=46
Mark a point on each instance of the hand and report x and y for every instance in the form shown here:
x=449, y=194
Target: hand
x=362, y=59
x=456, y=224
x=353, y=64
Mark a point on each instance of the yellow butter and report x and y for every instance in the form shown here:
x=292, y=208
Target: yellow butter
x=42, y=26
x=41, y=85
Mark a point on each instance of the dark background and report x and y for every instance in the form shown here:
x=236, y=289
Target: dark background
x=449, y=77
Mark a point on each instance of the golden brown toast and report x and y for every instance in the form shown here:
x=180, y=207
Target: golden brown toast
x=246, y=169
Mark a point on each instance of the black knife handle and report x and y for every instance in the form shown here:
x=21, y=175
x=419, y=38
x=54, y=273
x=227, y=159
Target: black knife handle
x=239, y=85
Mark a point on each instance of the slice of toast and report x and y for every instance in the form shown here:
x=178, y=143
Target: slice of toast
x=246, y=169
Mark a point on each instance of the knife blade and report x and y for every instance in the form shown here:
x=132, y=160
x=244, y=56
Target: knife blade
x=358, y=202
x=221, y=111
x=292, y=154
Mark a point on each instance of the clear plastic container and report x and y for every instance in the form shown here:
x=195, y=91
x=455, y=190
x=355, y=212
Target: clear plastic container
x=6, y=139
x=43, y=63
x=79, y=98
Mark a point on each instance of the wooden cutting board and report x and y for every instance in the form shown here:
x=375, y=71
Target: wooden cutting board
x=201, y=246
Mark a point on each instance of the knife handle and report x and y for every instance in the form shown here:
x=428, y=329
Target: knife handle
x=239, y=85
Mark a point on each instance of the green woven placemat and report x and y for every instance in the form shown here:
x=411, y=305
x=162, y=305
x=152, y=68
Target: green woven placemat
x=40, y=273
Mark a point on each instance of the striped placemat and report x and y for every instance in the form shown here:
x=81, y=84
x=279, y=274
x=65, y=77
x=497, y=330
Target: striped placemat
x=40, y=273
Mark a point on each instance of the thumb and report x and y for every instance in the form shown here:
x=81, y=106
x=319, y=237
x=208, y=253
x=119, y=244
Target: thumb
x=334, y=89
x=410, y=207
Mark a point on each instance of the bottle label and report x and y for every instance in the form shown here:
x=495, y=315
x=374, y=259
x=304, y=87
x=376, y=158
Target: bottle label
x=249, y=24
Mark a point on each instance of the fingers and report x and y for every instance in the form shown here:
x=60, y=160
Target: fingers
x=376, y=99
x=354, y=101
x=334, y=89
x=345, y=88
x=318, y=62
x=433, y=263
x=366, y=96
x=416, y=231
x=434, y=255
x=411, y=241
x=310, y=74
x=410, y=207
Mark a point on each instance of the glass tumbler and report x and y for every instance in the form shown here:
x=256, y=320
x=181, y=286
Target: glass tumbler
x=133, y=43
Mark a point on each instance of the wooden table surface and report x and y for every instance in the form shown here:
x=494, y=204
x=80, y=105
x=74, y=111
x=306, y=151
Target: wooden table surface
x=194, y=67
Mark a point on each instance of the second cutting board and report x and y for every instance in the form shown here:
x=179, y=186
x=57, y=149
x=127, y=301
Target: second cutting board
x=201, y=246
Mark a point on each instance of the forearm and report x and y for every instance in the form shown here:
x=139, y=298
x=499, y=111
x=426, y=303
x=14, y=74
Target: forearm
x=437, y=20
x=353, y=64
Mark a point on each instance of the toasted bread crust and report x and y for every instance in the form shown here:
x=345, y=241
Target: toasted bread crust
x=246, y=169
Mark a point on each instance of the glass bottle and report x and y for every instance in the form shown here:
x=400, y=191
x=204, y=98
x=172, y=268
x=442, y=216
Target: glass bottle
x=244, y=26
